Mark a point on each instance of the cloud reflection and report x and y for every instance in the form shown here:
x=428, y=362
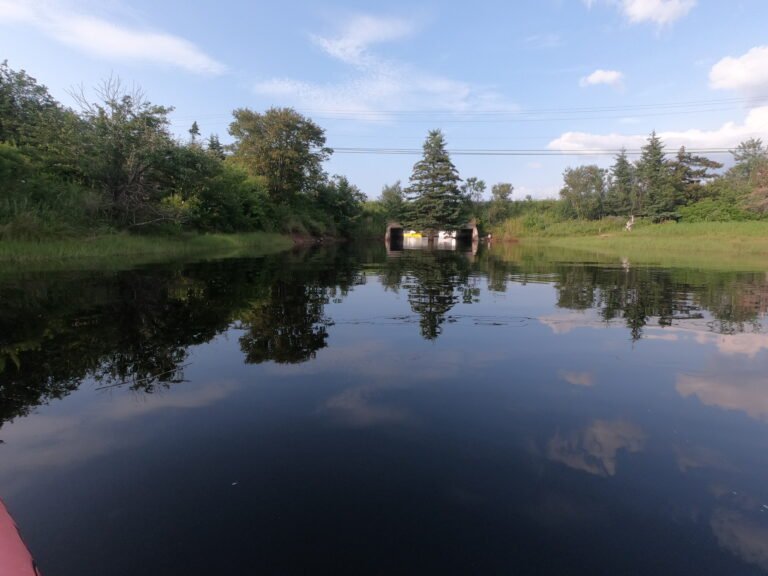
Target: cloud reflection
x=594, y=450
x=51, y=441
x=747, y=393
x=578, y=378
x=742, y=536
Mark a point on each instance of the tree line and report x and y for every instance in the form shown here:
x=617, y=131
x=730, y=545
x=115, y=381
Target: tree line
x=656, y=186
x=113, y=164
x=685, y=186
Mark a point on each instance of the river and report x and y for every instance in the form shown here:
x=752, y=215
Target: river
x=350, y=411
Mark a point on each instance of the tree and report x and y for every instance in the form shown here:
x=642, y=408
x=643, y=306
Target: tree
x=620, y=197
x=214, y=147
x=194, y=132
x=501, y=194
x=392, y=201
x=283, y=146
x=656, y=194
x=436, y=202
x=342, y=201
x=25, y=105
x=473, y=190
x=748, y=156
x=126, y=143
x=689, y=175
x=584, y=191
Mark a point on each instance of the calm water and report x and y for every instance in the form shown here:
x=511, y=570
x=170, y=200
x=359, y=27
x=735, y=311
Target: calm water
x=343, y=411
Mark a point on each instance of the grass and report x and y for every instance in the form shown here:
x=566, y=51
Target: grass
x=121, y=248
x=545, y=226
x=715, y=245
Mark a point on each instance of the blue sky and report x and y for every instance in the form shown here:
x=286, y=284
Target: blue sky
x=556, y=75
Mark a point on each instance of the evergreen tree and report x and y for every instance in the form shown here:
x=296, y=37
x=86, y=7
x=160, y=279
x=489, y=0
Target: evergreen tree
x=194, y=132
x=689, y=173
x=621, y=198
x=436, y=202
x=214, y=147
x=656, y=195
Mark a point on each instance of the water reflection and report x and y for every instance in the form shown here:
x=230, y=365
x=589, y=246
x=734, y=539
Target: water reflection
x=477, y=407
x=435, y=282
x=595, y=449
x=135, y=327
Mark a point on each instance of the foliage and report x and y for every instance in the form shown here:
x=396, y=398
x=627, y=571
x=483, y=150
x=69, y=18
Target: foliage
x=283, y=146
x=714, y=210
x=501, y=202
x=621, y=193
x=583, y=194
x=343, y=202
x=435, y=200
x=25, y=106
x=126, y=147
x=393, y=201
x=114, y=165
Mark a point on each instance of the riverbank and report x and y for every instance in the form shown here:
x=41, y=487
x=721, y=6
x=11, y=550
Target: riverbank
x=721, y=245
x=120, y=247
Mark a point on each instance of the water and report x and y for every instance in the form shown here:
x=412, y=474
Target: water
x=343, y=411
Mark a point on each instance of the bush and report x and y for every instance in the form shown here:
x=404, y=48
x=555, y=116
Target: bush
x=715, y=210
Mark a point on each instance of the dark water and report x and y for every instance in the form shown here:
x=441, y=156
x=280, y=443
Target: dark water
x=345, y=412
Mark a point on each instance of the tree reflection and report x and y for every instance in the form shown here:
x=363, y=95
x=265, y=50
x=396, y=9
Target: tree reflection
x=134, y=328
x=287, y=326
x=640, y=295
x=435, y=282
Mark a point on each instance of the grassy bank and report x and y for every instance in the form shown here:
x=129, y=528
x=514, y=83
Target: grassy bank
x=722, y=245
x=122, y=247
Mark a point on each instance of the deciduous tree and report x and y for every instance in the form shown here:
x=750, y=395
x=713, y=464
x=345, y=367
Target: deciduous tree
x=283, y=146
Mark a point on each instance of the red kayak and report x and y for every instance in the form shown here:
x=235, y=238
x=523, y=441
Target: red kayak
x=15, y=559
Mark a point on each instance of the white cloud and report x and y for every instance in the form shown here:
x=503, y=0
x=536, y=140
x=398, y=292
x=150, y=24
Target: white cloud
x=608, y=77
x=543, y=41
x=359, y=34
x=747, y=73
x=727, y=136
x=103, y=39
x=660, y=12
x=379, y=85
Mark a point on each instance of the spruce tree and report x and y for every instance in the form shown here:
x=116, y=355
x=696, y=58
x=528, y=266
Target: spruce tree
x=656, y=195
x=435, y=200
x=194, y=132
x=621, y=197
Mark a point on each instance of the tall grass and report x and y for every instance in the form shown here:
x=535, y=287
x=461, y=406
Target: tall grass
x=124, y=246
x=547, y=225
x=722, y=245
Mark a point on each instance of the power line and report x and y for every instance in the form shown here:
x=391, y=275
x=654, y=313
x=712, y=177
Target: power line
x=516, y=152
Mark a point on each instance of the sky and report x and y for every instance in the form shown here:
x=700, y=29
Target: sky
x=521, y=90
